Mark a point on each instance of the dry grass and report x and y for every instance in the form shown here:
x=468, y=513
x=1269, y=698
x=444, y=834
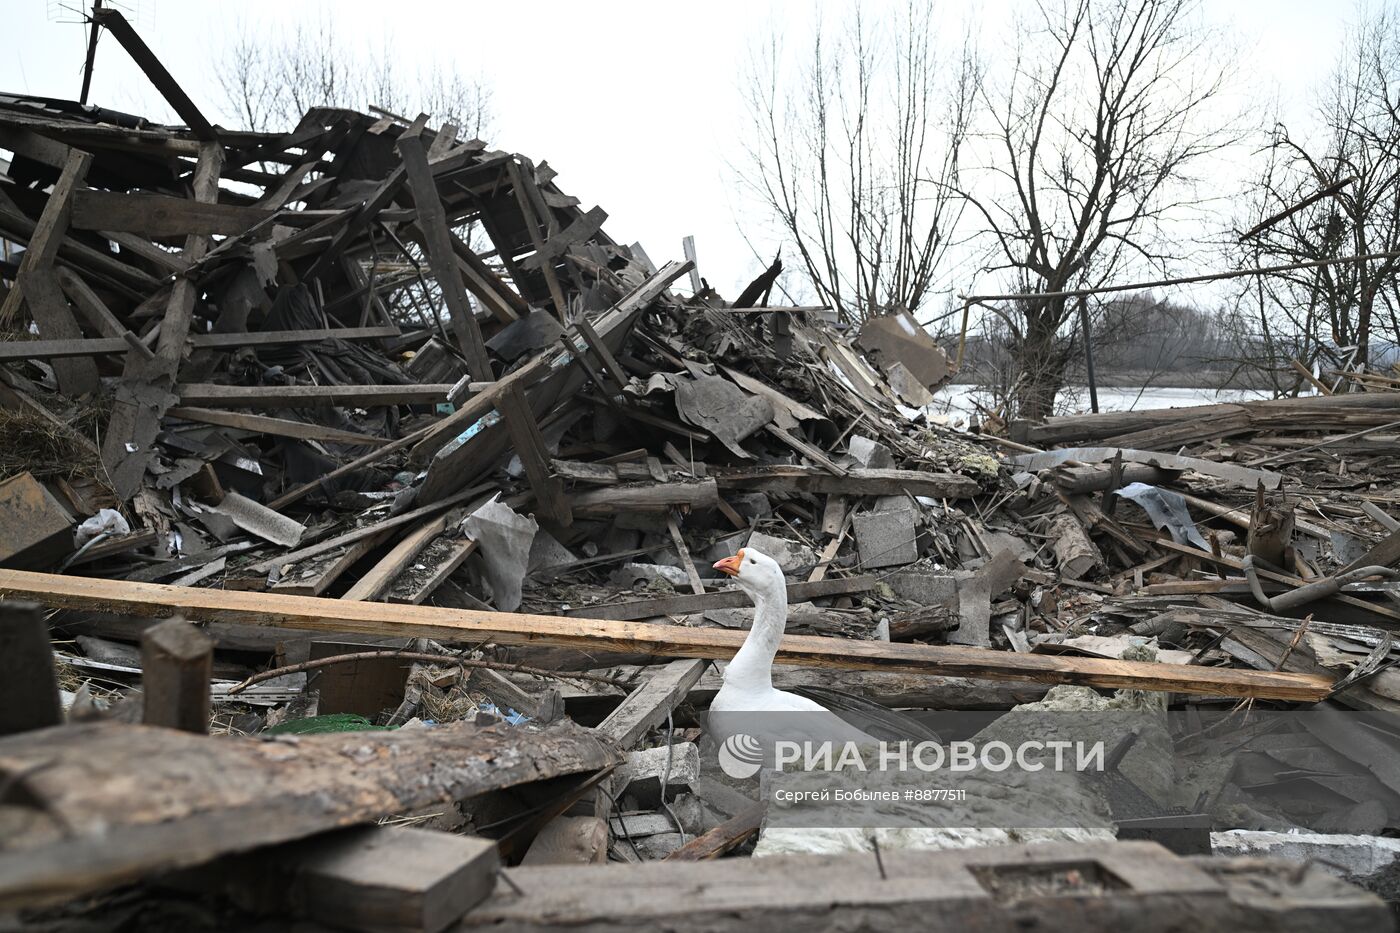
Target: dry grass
x=31, y=443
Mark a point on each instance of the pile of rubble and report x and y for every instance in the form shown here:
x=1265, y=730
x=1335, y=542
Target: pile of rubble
x=430, y=458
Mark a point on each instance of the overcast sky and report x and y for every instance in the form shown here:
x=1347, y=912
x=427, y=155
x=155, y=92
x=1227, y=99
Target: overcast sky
x=637, y=105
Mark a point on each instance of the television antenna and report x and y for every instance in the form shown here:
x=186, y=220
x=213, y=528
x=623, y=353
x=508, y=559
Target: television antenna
x=73, y=12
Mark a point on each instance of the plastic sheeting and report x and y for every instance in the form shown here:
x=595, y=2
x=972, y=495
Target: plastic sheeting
x=1168, y=512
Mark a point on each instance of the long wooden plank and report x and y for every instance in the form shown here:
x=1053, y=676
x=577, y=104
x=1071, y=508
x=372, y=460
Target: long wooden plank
x=391, y=619
x=207, y=394
x=59, y=349
x=157, y=215
x=164, y=82
x=722, y=838
x=280, y=427
x=87, y=304
x=359, y=534
x=648, y=706
x=1113, y=429
x=377, y=580
x=437, y=241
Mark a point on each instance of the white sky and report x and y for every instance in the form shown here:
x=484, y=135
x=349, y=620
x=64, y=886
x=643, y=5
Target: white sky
x=637, y=105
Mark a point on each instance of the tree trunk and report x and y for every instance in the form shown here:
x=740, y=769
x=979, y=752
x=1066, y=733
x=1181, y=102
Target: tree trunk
x=1040, y=362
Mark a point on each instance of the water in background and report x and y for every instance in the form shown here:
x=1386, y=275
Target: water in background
x=956, y=401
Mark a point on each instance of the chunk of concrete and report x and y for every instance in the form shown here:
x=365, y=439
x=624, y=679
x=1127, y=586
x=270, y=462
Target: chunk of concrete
x=974, y=611
x=641, y=774
x=1357, y=856
x=924, y=587
x=870, y=453
x=634, y=575
x=750, y=505
x=792, y=556
x=886, y=536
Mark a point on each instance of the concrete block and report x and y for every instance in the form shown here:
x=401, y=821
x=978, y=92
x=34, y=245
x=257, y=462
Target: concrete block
x=974, y=611
x=869, y=453
x=886, y=538
x=924, y=587
x=635, y=575
x=792, y=556
x=1357, y=856
x=641, y=774
x=750, y=505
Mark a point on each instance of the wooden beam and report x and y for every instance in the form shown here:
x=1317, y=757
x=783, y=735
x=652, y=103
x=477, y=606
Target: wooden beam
x=683, y=552
x=280, y=427
x=534, y=456
x=49, y=308
x=42, y=245
x=437, y=240
x=377, y=580
x=113, y=802
x=389, y=619
x=92, y=308
x=164, y=82
x=352, y=396
x=369, y=878
x=648, y=706
x=518, y=183
x=135, y=282
x=1159, y=429
x=416, y=591
x=324, y=569
x=176, y=665
x=724, y=837
x=80, y=346
x=359, y=534
x=645, y=497
x=36, y=285
x=157, y=215
x=28, y=687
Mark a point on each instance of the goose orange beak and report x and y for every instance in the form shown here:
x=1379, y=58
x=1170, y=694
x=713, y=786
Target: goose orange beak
x=730, y=565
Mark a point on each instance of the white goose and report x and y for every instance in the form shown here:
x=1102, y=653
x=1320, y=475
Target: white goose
x=748, y=680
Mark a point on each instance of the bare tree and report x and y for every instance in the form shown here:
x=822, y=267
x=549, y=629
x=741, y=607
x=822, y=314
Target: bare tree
x=856, y=157
x=1089, y=139
x=270, y=81
x=1330, y=194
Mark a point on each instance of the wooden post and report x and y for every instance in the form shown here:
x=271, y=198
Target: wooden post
x=437, y=240
x=176, y=662
x=28, y=688
x=1088, y=354
x=534, y=456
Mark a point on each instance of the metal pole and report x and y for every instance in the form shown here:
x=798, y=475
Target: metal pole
x=91, y=53
x=1088, y=354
